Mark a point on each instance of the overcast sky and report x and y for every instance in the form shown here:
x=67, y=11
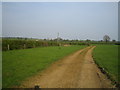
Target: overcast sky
x=79, y=20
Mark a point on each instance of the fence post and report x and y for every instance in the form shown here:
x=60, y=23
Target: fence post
x=8, y=47
x=24, y=46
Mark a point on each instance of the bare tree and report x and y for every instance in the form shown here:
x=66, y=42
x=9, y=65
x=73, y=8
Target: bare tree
x=106, y=38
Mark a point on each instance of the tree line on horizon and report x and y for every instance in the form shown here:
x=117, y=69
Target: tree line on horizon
x=11, y=43
x=106, y=38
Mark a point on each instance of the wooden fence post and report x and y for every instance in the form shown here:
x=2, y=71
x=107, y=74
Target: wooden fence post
x=24, y=46
x=8, y=47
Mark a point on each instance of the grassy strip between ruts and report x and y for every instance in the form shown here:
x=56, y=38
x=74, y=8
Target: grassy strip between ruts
x=106, y=56
x=20, y=64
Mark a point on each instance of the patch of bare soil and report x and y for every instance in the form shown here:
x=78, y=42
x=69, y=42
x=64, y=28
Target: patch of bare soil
x=77, y=70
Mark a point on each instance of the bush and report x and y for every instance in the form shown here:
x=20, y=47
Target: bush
x=31, y=43
x=24, y=44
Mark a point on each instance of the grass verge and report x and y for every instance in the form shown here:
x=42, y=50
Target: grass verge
x=106, y=56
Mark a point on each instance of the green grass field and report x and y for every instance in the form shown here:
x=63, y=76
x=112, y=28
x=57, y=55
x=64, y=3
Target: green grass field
x=20, y=64
x=0, y=69
x=106, y=56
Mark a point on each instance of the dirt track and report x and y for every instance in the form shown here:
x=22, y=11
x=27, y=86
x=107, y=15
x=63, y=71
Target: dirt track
x=77, y=70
